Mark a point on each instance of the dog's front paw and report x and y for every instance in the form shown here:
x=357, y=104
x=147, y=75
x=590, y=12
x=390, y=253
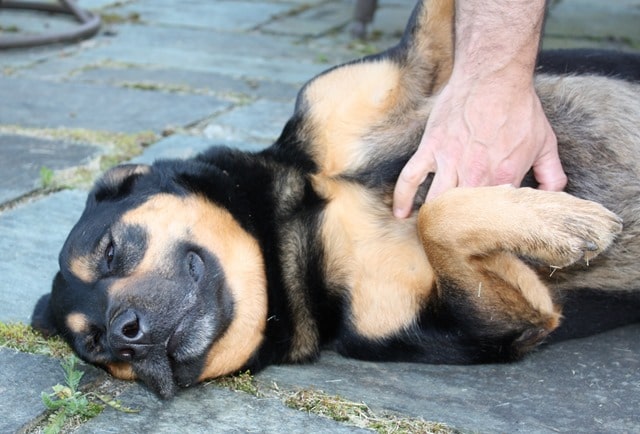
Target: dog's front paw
x=578, y=230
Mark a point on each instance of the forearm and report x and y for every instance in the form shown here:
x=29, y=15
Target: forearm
x=497, y=38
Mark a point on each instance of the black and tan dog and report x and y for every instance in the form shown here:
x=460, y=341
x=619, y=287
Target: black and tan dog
x=188, y=270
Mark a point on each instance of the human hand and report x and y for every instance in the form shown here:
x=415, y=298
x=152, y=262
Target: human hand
x=482, y=133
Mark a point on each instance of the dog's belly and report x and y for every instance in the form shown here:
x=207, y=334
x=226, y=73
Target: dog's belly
x=377, y=260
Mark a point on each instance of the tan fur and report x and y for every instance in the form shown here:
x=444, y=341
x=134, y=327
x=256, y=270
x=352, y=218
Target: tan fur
x=343, y=105
x=82, y=268
x=434, y=49
x=121, y=370
x=494, y=227
x=77, y=322
x=377, y=257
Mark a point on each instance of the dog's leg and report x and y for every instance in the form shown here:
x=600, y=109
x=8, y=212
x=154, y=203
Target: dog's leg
x=476, y=240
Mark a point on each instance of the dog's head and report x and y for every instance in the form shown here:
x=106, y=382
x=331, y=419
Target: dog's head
x=158, y=281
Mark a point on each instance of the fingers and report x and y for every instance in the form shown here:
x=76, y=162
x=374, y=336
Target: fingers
x=549, y=173
x=412, y=175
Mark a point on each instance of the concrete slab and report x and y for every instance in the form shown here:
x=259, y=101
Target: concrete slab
x=181, y=146
x=23, y=378
x=252, y=56
x=227, y=16
x=584, y=385
x=209, y=409
x=31, y=235
x=261, y=121
x=21, y=172
x=591, y=21
x=35, y=103
x=315, y=21
x=184, y=81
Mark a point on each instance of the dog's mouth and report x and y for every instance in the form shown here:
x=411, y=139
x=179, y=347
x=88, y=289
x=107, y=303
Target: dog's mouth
x=175, y=339
x=176, y=362
x=158, y=370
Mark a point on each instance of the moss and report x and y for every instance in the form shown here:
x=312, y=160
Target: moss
x=46, y=177
x=120, y=147
x=9, y=29
x=359, y=414
x=24, y=338
x=113, y=18
x=241, y=382
x=332, y=406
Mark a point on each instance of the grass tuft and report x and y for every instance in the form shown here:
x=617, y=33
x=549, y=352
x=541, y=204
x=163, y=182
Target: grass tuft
x=241, y=382
x=333, y=407
x=24, y=338
x=359, y=414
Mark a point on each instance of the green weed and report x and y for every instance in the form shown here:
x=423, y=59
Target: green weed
x=70, y=406
x=46, y=177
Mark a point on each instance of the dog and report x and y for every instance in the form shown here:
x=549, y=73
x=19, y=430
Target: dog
x=187, y=270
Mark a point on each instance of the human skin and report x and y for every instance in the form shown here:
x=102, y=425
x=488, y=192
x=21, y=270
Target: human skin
x=487, y=126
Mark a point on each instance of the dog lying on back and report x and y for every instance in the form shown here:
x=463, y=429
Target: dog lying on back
x=188, y=270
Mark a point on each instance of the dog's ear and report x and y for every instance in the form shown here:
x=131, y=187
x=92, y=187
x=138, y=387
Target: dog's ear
x=117, y=182
x=43, y=318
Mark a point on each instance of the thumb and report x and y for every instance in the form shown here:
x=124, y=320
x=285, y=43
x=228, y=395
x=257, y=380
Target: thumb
x=412, y=175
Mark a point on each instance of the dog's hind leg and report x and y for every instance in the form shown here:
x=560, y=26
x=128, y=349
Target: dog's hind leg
x=481, y=240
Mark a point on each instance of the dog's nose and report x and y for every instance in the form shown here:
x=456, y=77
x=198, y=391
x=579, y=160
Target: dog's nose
x=129, y=336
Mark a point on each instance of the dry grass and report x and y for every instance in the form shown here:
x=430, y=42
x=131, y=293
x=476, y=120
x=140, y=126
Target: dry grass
x=334, y=407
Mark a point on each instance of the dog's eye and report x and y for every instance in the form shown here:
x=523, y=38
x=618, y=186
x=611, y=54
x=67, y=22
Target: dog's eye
x=109, y=253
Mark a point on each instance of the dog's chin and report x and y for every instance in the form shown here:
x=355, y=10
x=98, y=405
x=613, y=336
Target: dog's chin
x=156, y=372
x=180, y=360
x=161, y=373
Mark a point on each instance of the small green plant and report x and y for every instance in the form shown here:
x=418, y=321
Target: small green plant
x=322, y=58
x=46, y=177
x=68, y=405
x=67, y=402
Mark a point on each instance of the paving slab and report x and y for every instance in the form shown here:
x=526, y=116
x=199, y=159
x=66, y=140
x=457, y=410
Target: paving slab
x=209, y=409
x=21, y=172
x=239, y=55
x=259, y=121
x=582, y=385
x=35, y=103
x=181, y=147
x=23, y=377
x=591, y=22
x=227, y=16
x=31, y=236
x=316, y=21
x=180, y=80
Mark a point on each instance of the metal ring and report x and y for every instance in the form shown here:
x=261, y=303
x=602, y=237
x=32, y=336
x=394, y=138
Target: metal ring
x=89, y=24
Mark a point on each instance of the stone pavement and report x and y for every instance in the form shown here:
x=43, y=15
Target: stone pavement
x=169, y=78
